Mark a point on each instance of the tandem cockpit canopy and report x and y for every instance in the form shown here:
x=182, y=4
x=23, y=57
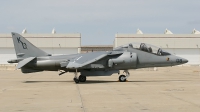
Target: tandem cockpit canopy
x=143, y=47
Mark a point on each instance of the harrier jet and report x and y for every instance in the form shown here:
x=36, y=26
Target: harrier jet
x=102, y=63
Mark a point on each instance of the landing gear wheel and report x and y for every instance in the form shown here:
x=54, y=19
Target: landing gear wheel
x=76, y=80
x=82, y=78
x=122, y=78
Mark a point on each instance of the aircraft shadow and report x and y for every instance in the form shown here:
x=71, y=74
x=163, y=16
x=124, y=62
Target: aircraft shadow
x=44, y=81
x=101, y=81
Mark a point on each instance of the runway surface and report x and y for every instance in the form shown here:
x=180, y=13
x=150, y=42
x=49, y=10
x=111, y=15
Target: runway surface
x=171, y=89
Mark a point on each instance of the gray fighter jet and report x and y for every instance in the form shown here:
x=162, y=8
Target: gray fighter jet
x=102, y=63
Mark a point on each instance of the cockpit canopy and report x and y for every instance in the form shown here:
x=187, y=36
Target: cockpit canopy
x=143, y=47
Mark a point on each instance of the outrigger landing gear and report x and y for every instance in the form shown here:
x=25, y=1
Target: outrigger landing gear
x=122, y=78
x=76, y=80
x=61, y=73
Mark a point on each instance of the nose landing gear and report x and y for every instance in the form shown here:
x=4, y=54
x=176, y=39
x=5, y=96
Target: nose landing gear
x=123, y=78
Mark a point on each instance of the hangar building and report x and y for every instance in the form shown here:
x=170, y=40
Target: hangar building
x=91, y=48
x=50, y=43
x=183, y=45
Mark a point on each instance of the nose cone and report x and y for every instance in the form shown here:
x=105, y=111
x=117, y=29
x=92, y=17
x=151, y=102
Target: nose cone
x=176, y=60
x=184, y=60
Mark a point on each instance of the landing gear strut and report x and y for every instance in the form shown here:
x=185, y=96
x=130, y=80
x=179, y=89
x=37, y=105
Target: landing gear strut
x=122, y=78
x=61, y=73
x=75, y=77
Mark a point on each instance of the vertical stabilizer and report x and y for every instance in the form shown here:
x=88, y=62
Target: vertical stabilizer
x=24, y=48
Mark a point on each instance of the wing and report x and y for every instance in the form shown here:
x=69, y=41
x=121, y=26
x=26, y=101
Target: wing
x=88, y=58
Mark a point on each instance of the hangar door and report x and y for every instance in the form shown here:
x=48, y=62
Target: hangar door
x=7, y=54
x=192, y=55
x=57, y=51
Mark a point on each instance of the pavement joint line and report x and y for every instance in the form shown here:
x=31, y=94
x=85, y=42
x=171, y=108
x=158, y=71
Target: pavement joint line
x=125, y=96
x=80, y=98
x=181, y=99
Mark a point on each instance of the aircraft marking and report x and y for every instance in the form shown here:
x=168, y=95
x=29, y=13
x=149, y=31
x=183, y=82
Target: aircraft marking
x=23, y=44
x=79, y=58
x=179, y=60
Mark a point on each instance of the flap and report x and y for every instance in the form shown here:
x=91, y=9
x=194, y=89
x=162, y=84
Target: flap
x=24, y=62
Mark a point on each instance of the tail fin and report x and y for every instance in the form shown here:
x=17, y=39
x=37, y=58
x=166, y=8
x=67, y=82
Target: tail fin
x=24, y=48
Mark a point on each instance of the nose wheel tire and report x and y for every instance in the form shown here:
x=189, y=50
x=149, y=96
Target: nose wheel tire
x=76, y=80
x=82, y=78
x=122, y=78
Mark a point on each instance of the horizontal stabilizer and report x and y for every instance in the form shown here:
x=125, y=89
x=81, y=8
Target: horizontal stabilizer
x=24, y=62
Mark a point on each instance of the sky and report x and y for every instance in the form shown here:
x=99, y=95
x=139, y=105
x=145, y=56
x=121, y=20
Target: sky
x=99, y=20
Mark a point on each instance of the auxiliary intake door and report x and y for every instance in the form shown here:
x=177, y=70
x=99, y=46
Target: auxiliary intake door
x=127, y=60
x=133, y=60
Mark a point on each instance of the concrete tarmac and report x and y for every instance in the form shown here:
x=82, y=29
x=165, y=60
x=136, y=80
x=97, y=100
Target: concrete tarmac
x=171, y=89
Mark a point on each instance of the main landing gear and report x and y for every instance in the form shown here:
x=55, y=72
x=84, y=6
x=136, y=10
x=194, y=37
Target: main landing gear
x=122, y=78
x=81, y=78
